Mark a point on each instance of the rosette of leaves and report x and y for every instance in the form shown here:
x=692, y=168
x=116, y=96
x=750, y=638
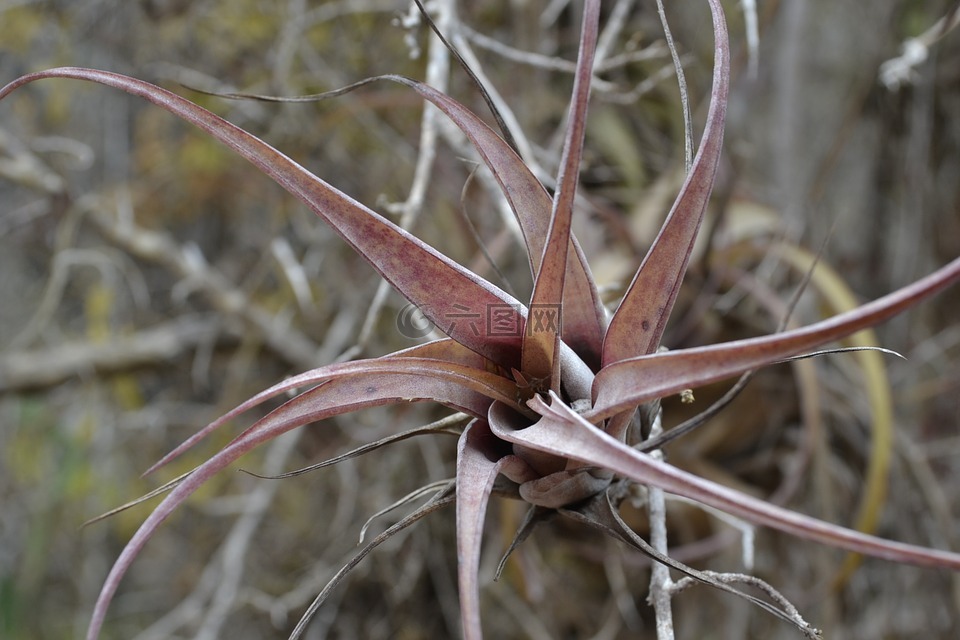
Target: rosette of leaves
x=560, y=393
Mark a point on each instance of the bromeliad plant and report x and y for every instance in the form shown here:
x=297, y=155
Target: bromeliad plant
x=560, y=395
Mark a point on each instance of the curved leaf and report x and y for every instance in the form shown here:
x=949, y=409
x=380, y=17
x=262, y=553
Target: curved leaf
x=628, y=383
x=584, y=314
x=639, y=321
x=837, y=295
x=355, y=385
x=562, y=432
x=458, y=301
x=584, y=317
x=359, y=385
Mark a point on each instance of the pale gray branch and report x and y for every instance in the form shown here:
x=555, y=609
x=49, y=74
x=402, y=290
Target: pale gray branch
x=284, y=340
x=33, y=368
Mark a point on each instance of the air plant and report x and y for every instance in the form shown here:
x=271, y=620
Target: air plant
x=560, y=394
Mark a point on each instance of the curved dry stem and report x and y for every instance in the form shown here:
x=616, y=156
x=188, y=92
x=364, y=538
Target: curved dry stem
x=446, y=426
x=602, y=514
x=441, y=499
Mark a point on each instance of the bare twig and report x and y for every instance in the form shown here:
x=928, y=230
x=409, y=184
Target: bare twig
x=20, y=165
x=901, y=70
x=612, y=30
x=189, y=265
x=437, y=76
x=34, y=368
x=553, y=63
x=682, y=82
x=739, y=578
x=753, y=36
x=661, y=585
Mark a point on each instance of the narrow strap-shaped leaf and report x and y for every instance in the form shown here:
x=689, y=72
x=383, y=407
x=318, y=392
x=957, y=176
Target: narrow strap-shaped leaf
x=584, y=318
x=584, y=314
x=562, y=432
x=445, y=349
x=475, y=476
x=371, y=383
x=478, y=465
x=448, y=350
x=638, y=323
x=627, y=383
x=354, y=385
x=539, y=341
x=464, y=306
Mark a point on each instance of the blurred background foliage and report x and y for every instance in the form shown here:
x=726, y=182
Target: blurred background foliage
x=113, y=349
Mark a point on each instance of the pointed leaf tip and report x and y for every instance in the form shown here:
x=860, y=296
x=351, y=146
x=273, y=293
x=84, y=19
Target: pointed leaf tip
x=462, y=304
x=539, y=346
x=639, y=322
x=563, y=432
x=624, y=385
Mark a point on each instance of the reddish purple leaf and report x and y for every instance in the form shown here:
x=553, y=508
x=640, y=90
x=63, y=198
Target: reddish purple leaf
x=545, y=316
x=638, y=324
x=448, y=350
x=628, y=383
x=584, y=318
x=562, y=432
x=556, y=481
x=353, y=385
x=458, y=301
x=478, y=465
